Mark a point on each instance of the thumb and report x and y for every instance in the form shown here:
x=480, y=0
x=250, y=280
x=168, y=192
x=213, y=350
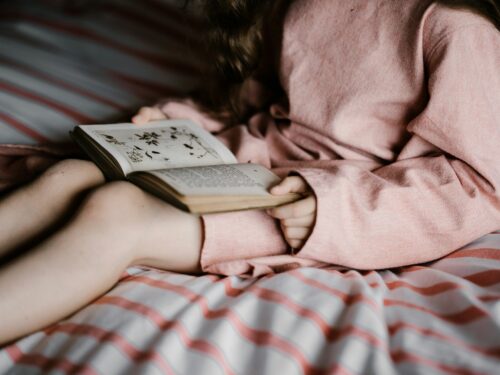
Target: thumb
x=291, y=184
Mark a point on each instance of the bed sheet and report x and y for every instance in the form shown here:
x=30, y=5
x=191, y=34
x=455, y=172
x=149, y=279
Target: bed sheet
x=97, y=63
x=439, y=318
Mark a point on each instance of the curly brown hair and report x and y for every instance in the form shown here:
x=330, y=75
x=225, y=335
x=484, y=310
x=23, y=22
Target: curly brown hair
x=236, y=43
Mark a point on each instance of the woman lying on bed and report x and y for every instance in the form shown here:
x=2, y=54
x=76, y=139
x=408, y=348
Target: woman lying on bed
x=385, y=112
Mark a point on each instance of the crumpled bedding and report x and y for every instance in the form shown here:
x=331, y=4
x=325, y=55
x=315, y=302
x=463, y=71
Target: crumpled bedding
x=438, y=318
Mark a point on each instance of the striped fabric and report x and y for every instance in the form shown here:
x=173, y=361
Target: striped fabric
x=60, y=68
x=443, y=318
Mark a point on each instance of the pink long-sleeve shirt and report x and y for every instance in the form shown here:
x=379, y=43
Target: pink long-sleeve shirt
x=393, y=118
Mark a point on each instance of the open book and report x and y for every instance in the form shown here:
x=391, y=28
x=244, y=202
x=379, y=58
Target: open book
x=181, y=163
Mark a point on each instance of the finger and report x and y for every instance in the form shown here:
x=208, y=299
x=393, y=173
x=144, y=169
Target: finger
x=295, y=233
x=295, y=244
x=157, y=114
x=142, y=116
x=303, y=221
x=147, y=114
x=139, y=120
x=303, y=207
x=290, y=184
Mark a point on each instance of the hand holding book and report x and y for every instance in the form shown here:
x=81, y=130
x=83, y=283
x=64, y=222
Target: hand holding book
x=296, y=218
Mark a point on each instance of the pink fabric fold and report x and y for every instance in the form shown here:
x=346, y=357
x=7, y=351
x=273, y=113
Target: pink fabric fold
x=393, y=120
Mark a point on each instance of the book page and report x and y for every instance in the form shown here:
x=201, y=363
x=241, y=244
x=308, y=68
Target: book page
x=160, y=145
x=232, y=179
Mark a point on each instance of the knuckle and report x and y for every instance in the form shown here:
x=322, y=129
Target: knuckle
x=309, y=220
x=281, y=212
x=294, y=233
x=292, y=182
x=286, y=231
x=298, y=232
x=309, y=204
x=296, y=210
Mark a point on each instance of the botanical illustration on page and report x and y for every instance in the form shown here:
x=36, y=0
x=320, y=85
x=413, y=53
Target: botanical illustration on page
x=168, y=147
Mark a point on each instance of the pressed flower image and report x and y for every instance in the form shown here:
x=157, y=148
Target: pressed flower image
x=151, y=138
x=158, y=147
x=111, y=139
x=135, y=155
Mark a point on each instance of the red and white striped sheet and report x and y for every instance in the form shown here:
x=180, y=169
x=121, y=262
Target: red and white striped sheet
x=441, y=318
x=59, y=69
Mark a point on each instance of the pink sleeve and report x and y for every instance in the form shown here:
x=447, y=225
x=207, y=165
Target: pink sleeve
x=422, y=207
x=253, y=96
